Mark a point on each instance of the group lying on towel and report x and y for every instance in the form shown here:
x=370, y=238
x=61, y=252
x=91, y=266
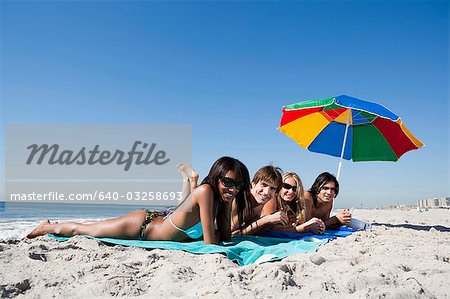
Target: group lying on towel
x=225, y=203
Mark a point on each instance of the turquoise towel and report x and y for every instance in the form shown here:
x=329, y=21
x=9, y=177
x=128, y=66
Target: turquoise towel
x=244, y=250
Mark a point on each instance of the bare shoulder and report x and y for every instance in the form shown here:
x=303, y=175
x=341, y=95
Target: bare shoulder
x=202, y=193
x=307, y=197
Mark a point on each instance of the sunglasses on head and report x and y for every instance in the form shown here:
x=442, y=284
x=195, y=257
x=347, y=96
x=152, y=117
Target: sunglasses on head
x=288, y=187
x=230, y=183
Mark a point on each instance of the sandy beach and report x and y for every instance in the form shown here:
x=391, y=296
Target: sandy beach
x=405, y=255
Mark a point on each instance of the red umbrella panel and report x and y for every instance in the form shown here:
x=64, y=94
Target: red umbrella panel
x=349, y=128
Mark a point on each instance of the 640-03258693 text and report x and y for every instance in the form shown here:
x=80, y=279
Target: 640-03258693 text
x=98, y=196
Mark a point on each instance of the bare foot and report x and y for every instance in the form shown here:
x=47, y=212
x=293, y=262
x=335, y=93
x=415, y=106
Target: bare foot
x=38, y=231
x=188, y=173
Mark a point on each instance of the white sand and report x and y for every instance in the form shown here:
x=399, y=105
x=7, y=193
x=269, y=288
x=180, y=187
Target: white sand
x=405, y=258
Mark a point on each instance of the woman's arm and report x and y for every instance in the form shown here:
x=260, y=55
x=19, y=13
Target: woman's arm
x=223, y=219
x=314, y=225
x=265, y=223
x=285, y=228
x=270, y=207
x=204, y=197
x=308, y=205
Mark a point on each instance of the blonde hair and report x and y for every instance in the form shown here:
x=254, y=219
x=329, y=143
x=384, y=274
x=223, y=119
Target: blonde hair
x=298, y=209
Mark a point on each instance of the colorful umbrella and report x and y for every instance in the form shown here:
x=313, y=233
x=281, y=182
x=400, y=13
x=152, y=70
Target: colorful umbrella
x=348, y=128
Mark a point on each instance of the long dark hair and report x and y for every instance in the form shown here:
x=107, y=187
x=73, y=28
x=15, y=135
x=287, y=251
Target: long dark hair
x=218, y=170
x=320, y=181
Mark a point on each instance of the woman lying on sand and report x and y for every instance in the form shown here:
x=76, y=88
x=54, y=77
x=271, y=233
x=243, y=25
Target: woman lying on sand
x=319, y=202
x=228, y=180
x=290, y=202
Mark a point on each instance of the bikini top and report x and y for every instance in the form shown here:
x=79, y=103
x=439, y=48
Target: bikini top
x=194, y=232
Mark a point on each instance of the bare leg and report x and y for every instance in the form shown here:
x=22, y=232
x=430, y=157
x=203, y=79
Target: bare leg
x=38, y=230
x=190, y=178
x=126, y=227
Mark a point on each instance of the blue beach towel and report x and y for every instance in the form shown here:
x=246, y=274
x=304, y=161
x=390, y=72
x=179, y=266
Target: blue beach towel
x=244, y=250
x=328, y=234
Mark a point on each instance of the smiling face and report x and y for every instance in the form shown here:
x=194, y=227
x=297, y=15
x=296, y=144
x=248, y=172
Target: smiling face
x=327, y=192
x=263, y=191
x=289, y=194
x=227, y=187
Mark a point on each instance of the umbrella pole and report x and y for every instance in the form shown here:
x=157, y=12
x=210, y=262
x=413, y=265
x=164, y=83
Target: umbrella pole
x=343, y=145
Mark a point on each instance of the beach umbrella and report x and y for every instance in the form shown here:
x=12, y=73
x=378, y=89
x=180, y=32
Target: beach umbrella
x=348, y=128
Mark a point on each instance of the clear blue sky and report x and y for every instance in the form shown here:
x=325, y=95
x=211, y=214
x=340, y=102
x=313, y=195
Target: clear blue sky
x=227, y=68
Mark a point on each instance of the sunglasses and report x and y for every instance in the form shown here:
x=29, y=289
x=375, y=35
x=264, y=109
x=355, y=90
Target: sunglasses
x=230, y=183
x=288, y=187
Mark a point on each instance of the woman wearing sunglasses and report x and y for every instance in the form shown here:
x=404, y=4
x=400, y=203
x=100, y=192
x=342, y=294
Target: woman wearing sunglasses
x=289, y=202
x=194, y=218
x=319, y=201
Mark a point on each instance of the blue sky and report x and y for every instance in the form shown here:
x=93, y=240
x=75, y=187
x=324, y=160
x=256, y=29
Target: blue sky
x=227, y=68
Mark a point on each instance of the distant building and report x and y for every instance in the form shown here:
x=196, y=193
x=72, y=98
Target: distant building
x=443, y=202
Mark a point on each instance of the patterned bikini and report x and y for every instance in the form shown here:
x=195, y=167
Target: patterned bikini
x=194, y=232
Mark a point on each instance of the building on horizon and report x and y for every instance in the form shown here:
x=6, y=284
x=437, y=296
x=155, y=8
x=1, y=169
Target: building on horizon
x=443, y=202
